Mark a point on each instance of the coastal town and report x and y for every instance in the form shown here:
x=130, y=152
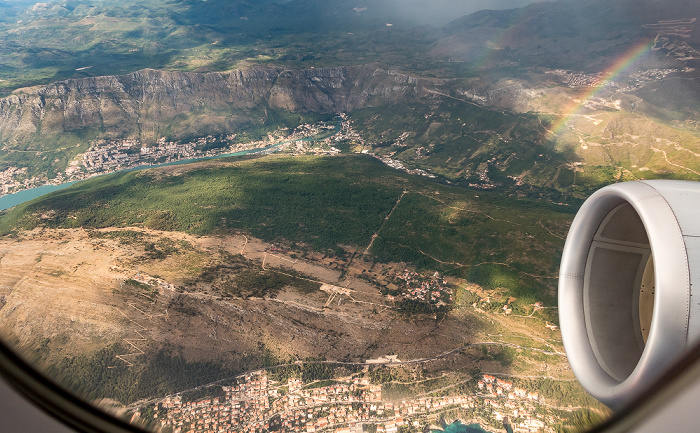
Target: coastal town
x=112, y=155
x=352, y=404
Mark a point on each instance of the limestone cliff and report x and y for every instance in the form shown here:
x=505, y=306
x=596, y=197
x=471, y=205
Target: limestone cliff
x=149, y=102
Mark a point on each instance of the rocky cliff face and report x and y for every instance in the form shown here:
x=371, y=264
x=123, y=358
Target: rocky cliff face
x=181, y=103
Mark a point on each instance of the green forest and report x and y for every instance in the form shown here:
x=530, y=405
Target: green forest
x=103, y=375
x=321, y=203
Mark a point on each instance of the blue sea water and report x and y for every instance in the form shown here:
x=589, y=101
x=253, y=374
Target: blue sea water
x=458, y=427
x=10, y=200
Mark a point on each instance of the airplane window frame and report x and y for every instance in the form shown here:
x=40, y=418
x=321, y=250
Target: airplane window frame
x=53, y=399
x=683, y=374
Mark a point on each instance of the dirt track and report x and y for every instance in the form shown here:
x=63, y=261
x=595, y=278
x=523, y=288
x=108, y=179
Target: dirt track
x=69, y=286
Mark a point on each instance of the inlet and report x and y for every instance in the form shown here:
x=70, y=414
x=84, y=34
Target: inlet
x=619, y=291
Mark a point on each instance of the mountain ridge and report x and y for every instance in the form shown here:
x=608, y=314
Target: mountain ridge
x=120, y=105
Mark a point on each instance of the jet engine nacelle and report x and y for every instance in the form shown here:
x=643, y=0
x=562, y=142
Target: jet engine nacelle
x=627, y=309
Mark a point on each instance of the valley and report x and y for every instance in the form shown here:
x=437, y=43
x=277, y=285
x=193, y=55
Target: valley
x=559, y=140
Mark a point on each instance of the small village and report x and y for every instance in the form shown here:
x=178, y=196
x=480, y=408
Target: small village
x=633, y=81
x=346, y=405
x=433, y=289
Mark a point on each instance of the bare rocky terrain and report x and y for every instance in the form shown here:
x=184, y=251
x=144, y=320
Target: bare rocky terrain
x=71, y=290
x=82, y=275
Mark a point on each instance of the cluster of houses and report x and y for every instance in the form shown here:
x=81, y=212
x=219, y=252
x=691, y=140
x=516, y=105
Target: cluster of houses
x=256, y=404
x=300, y=147
x=516, y=405
x=495, y=386
x=110, y=155
x=242, y=408
x=327, y=407
x=657, y=74
x=399, y=165
x=482, y=171
x=101, y=159
x=433, y=289
x=487, y=304
x=577, y=79
x=346, y=131
x=8, y=179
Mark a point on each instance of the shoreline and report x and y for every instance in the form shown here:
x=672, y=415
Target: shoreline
x=143, y=165
x=471, y=424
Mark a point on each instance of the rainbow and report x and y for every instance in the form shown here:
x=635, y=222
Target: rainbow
x=617, y=68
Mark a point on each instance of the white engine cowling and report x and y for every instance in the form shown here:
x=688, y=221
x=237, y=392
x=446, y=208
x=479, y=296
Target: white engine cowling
x=626, y=304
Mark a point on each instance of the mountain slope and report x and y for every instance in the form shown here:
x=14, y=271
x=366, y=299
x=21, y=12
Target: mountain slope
x=579, y=35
